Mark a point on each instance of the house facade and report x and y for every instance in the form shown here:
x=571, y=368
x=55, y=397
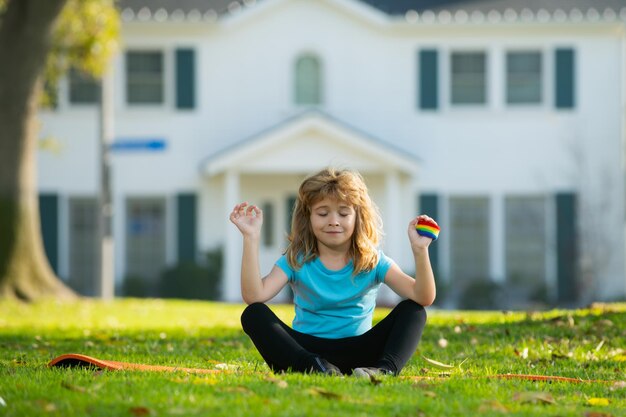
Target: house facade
x=502, y=120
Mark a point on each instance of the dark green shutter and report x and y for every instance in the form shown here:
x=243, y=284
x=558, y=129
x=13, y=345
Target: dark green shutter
x=429, y=205
x=49, y=216
x=566, y=247
x=428, y=80
x=291, y=205
x=185, y=79
x=186, y=227
x=565, y=78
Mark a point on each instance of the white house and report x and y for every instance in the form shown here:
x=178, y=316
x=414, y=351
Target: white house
x=502, y=119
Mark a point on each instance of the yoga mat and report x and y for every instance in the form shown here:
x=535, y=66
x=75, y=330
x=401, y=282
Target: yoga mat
x=79, y=360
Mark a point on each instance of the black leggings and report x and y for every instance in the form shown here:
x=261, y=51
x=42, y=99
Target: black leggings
x=389, y=344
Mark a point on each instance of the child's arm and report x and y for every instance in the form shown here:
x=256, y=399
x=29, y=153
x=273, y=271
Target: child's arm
x=420, y=289
x=249, y=219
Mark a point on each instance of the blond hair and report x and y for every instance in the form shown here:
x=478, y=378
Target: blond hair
x=347, y=187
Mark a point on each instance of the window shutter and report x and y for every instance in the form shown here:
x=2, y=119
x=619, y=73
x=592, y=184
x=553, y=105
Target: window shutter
x=429, y=204
x=566, y=246
x=187, y=227
x=291, y=206
x=428, y=80
x=564, y=78
x=185, y=79
x=49, y=217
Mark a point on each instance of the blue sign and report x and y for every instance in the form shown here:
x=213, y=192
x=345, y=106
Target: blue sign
x=150, y=145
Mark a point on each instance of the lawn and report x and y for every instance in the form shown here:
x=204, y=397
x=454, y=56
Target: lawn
x=585, y=344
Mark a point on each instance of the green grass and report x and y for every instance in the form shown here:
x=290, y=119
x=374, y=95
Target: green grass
x=584, y=344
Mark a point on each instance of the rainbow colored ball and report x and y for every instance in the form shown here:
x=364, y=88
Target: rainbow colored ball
x=427, y=228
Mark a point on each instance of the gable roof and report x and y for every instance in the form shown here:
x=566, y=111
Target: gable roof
x=306, y=142
x=412, y=10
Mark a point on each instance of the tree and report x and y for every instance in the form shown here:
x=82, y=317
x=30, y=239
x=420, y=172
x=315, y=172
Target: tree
x=39, y=39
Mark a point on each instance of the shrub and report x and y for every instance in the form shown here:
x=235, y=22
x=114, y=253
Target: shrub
x=189, y=280
x=481, y=294
x=135, y=286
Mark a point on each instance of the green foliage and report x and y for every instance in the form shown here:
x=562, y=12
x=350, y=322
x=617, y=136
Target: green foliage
x=86, y=37
x=587, y=344
x=135, y=286
x=481, y=294
x=186, y=280
x=189, y=280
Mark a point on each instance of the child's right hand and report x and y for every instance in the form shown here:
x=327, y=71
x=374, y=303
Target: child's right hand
x=248, y=219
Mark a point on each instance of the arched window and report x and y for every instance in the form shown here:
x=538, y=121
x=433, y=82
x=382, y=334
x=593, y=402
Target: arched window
x=308, y=80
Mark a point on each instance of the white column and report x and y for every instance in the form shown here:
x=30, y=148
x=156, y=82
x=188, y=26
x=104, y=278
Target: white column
x=232, y=247
x=393, y=214
x=393, y=220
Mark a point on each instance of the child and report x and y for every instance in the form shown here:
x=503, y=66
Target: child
x=335, y=269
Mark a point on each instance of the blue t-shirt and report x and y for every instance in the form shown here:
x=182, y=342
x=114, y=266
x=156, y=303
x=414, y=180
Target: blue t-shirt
x=334, y=304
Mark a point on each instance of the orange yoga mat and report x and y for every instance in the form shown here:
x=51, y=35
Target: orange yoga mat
x=78, y=360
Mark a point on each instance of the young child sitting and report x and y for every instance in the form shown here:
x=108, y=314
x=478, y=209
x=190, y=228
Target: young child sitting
x=335, y=269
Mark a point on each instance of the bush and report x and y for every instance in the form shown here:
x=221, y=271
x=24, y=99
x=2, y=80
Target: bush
x=481, y=294
x=135, y=286
x=189, y=280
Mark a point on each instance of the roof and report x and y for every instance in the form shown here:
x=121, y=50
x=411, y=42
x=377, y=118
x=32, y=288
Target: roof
x=312, y=131
x=401, y=7
x=206, y=9
x=412, y=10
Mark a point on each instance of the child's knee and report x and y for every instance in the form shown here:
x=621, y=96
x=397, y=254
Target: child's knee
x=252, y=314
x=413, y=309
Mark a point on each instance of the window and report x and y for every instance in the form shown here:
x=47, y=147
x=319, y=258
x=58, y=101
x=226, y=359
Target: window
x=525, y=225
x=268, y=224
x=145, y=238
x=83, y=234
x=469, y=239
x=308, y=81
x=523, y=77
x=84, y=89
x=468, y=78
x=144, y=77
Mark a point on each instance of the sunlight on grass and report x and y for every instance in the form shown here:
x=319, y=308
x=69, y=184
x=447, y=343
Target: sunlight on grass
x=472, y=347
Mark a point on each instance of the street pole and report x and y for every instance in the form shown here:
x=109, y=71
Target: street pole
x=106, y=271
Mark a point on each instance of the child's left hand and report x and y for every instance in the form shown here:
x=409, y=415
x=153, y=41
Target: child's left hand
x=418, y=241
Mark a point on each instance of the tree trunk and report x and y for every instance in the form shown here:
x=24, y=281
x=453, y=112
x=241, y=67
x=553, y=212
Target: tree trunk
x=25, y=32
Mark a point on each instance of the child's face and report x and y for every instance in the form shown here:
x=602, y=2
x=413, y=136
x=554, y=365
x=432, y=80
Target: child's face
x=333, y=222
